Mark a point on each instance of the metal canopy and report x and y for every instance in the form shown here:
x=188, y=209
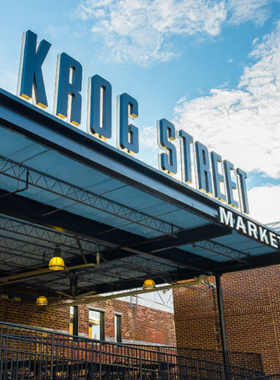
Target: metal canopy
x=61, y=186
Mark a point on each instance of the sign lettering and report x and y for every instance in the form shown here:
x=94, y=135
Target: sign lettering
x=247, y=227
x=211, y=171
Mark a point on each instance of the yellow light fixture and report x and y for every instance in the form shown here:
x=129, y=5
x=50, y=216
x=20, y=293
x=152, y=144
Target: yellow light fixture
x=56, y=263
x=42, y=301
x=16, y=298
x=149, y=284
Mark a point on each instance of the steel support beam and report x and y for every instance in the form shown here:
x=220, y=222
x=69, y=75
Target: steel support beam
x=35, y=212
x=222, y=326
x=76, y=320
x=38, y=213
x=223, y=250
x=44, y=235
x=77, y=195
x=190, y=236
x=259, y=261
x=24, y=208
x=195, y=281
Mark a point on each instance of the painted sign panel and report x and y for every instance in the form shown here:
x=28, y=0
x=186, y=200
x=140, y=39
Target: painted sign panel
x=247, y=227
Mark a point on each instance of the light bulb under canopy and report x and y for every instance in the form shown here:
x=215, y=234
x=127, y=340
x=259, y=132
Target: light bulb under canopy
x=56, y=263
x=42, y=301
x=149, y=284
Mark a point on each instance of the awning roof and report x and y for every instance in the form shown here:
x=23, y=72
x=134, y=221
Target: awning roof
x=86, y=196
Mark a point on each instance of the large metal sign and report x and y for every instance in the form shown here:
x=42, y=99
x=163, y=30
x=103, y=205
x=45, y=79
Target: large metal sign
x=213, y=175
x=248, y=227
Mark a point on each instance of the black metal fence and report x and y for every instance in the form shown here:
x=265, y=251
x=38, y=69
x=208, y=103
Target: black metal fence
x=268, y=377
x=32, y=354
x=239, y=359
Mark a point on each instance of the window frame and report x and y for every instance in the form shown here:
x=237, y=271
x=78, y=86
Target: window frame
x=101, y=326
x=118, y=327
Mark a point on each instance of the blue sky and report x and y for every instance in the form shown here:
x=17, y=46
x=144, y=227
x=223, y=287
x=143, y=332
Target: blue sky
x=211, y=67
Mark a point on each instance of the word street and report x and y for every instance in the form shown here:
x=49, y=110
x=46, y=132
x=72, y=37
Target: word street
x=213, y=175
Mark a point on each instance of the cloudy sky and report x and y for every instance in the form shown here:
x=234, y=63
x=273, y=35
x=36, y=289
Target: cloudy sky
x=211, y=67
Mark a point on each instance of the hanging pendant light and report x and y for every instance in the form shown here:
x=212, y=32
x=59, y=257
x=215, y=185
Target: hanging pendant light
x=42, y=301
x=149, y=284
x=57, y=262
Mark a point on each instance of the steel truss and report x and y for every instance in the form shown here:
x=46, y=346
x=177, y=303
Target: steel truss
x=275, y=226
x=78, y=195
x=148, y=266
x=223, y=250
x=16, y=251
x=43, y=234
x=134, y=267
x=23, y=244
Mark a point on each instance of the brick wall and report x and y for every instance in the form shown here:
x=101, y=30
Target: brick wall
x=252, y=315
x=138, y=324
x=28, y=313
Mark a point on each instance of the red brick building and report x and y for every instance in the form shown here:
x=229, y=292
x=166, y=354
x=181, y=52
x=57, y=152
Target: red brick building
x=252, y=315
x=139, y=324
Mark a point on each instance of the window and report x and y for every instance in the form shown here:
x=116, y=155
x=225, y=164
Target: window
x=71, y=320
x=96, y=328
x=118, y=328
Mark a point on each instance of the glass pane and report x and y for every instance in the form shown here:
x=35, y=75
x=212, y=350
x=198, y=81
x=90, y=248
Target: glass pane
x=71, y=320
x=118, y=334
x=94, y=324
x=116, y=328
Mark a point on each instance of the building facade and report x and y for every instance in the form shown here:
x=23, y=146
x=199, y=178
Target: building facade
x=252, y=315
x=137, y=323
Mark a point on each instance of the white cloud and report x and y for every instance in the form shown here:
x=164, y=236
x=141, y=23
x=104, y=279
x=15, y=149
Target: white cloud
x=200, y=91
x=243, y=125
x=148, y=147
x=241, y=11
x=142, y=31
x=139, y=31
x=148, y=138
x=265, y=203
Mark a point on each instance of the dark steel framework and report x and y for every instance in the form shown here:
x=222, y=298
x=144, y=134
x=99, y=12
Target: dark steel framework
x=237, y=359
x=222, y=325
x=269, y=377
x=28, y=353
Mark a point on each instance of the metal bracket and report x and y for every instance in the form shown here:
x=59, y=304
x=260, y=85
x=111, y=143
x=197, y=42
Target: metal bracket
x=18, y=191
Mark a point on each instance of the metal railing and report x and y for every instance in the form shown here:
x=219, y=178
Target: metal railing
x=240, y=359
x=268, y=377
x=28, y=353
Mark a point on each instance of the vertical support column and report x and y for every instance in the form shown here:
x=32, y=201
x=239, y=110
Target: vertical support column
x=76, y=320
x=222, y=325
